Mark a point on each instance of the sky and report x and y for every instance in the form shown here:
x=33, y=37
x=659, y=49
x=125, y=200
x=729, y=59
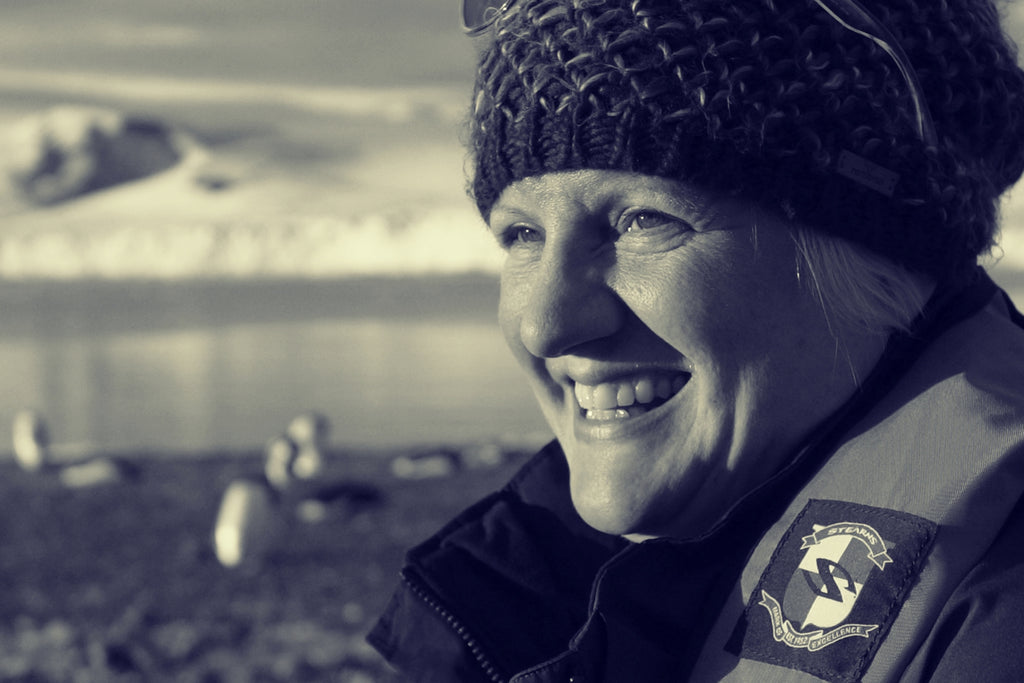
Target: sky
x=328, y=42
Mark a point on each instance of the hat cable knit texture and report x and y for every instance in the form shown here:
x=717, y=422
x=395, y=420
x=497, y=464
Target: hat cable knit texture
x=761, y=99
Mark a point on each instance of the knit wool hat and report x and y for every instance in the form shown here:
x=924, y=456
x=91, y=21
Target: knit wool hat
x=771, y=100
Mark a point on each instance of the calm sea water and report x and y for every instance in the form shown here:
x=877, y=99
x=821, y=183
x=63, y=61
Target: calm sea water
x=224, y=365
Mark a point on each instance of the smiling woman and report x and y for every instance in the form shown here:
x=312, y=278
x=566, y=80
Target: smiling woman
x=632, y=284
x=741, y=247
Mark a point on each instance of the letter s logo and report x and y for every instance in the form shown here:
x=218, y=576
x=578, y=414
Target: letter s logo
x=829, y=588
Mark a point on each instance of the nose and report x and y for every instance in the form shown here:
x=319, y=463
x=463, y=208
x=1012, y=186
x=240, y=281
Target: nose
x=567, y=305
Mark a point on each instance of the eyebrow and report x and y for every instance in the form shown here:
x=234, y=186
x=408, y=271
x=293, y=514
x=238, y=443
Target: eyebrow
x=698, y=208
x=693, y=203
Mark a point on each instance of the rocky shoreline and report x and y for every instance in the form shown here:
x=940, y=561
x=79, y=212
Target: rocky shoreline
x=120, y=582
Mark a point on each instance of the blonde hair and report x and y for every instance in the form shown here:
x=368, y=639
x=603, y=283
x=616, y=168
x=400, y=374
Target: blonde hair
x=858, y=289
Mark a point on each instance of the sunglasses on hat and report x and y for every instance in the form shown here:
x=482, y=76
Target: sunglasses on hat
x=479, y=15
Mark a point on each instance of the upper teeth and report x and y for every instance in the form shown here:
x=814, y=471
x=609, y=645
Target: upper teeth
x=622, y=394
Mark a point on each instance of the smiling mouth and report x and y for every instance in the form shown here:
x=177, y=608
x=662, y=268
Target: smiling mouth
x=627, y=398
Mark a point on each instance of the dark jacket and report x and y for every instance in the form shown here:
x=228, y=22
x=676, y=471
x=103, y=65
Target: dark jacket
x=889, y=549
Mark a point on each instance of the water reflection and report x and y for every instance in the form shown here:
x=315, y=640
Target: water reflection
x=381, y=382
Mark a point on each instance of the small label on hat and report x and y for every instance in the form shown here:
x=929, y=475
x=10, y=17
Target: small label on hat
x=867, y=173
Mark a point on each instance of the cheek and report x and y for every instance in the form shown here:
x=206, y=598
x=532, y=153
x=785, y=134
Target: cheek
x=510, y=313
x=508, y=309
x=684, y=302
x=725, y=309
x=507, y=323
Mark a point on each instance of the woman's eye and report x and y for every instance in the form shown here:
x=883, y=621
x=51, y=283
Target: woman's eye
x=648, y=231
x=519, y=234
x=649, y=220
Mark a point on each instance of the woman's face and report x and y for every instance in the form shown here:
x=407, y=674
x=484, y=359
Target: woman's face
x=668, y=341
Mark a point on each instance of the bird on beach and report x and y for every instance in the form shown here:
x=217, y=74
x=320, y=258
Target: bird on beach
x=31, y=436
x=248, y=524
x=305, y=491
x=254, y=510
x=439, y=463
x=310, y=432
x=249, y=518
x=75, y=467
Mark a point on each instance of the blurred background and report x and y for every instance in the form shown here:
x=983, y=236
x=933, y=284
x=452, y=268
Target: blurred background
x=305, y=244
x=299, y=237
x=216, y=215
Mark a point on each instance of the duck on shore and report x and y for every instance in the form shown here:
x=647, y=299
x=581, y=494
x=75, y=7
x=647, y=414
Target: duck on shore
x=31, y=437
x=248, y=523
x=438, y=463
x=310, y=432
x=253, y=510
x=295, y=471
x=74, y=465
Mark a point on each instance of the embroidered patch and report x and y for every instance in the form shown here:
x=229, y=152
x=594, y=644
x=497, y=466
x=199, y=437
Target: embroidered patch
x=832, y=589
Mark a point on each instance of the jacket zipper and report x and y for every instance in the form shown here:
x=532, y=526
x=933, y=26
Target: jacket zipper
x=434, y=603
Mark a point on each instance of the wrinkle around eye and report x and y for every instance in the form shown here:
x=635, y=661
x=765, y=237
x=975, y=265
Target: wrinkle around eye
x=650, y=230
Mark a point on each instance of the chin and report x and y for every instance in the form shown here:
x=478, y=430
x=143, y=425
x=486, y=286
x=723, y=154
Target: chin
x=608, y=513
x=606, y=523
x=616, y=491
